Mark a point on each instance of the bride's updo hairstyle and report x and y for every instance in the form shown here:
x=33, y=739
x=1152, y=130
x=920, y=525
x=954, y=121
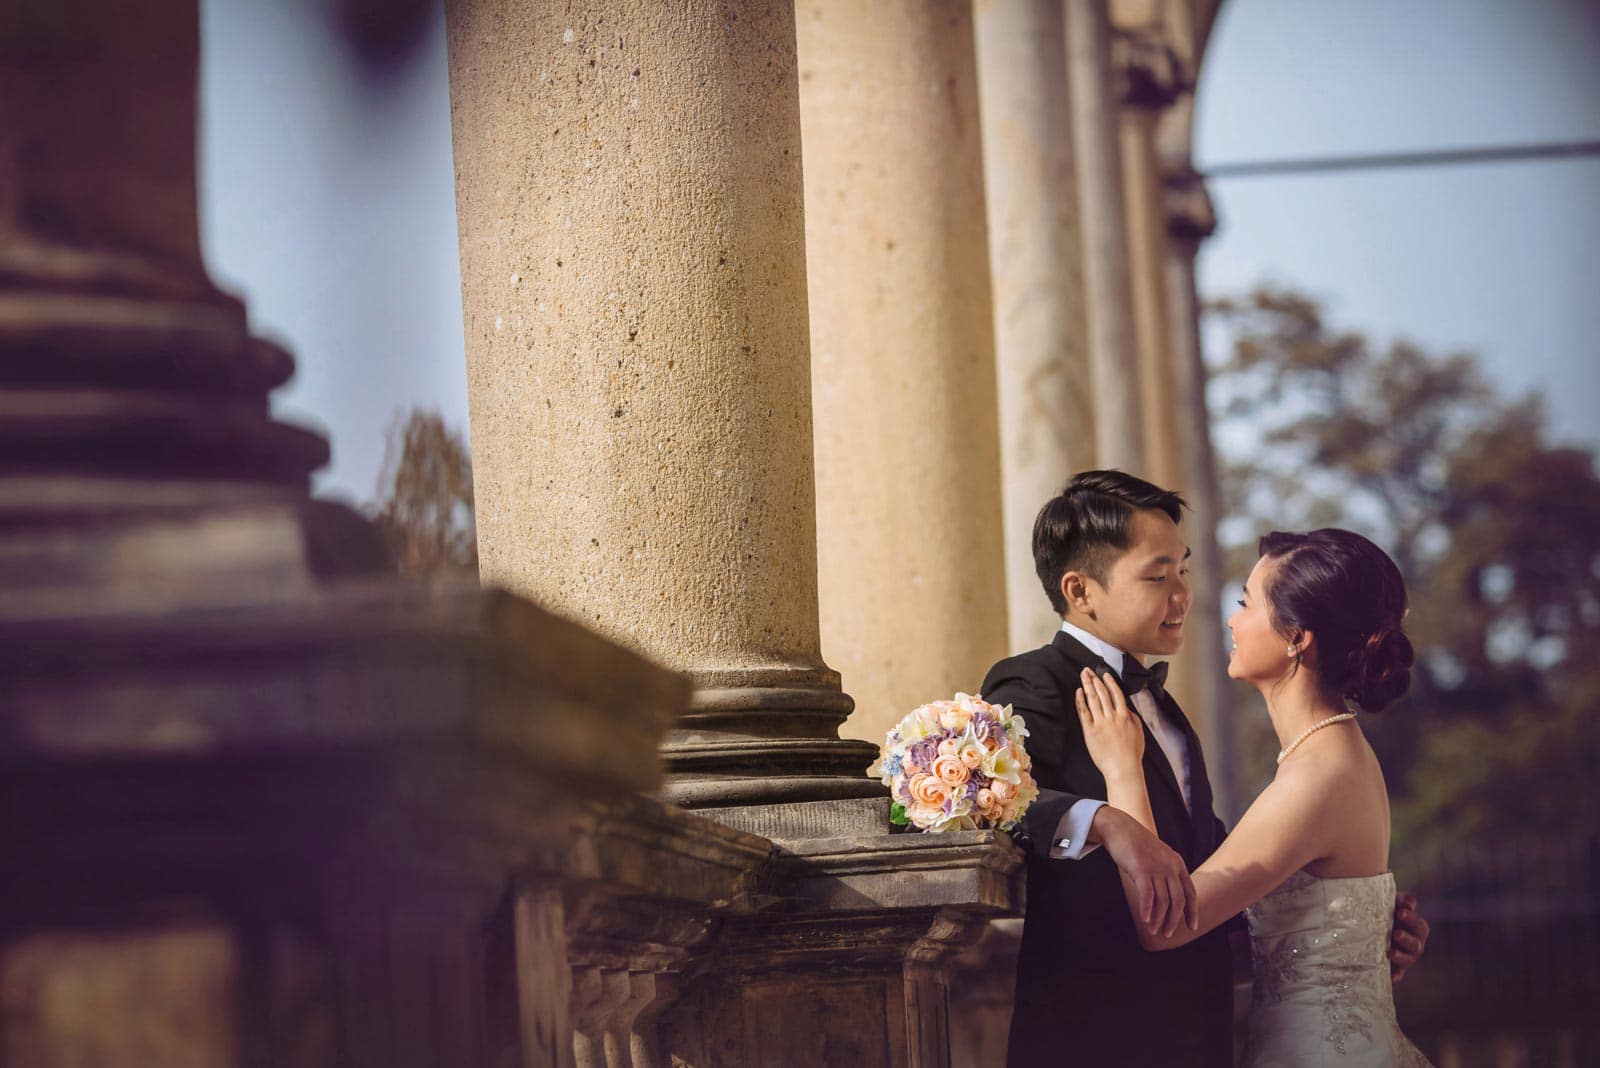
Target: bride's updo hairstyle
x=1350, y=596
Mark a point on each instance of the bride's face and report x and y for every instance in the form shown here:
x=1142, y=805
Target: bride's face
x=1259, y=653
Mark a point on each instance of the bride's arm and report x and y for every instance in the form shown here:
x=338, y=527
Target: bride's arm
x=1115, y=740
x=1279, y=834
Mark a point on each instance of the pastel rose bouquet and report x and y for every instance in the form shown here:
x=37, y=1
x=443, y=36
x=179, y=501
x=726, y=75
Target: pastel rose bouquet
x=957, y=765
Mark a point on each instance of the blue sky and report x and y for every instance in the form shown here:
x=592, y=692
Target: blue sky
x=327, y=199
x=1501, y=259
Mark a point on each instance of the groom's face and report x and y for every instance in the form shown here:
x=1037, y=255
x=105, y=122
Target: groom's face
x=1142, y=604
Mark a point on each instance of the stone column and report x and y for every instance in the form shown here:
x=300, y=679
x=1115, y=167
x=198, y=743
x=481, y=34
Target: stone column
x=1190, y=220
x=1047, y=401
x=267, y=799
x=1113, y=356
x=911, y=564
x=634, y=281
x=1148, y=81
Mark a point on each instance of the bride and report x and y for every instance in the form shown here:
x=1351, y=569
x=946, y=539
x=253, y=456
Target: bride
x=1317, y=632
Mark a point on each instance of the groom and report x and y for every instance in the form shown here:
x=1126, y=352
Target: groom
x=1114, y=565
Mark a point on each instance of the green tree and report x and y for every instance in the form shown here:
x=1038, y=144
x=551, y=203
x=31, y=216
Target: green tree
x=424, y=506
x=1496, y=529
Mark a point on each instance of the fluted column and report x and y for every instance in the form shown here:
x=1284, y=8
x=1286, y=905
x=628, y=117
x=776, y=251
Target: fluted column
x=1113, y=354
x=908, y=472
x=1047, y=401
x=1148, y=80
x=633, y=276
x=1190, y=220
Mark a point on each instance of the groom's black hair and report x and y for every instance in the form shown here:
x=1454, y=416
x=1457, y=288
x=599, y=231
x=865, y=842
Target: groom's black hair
x=1085, y=528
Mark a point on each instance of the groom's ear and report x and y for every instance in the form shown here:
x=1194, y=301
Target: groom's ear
x=1075, y=591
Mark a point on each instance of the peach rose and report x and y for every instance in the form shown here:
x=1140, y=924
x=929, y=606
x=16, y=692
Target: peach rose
x=1005, y=791
x=988, y=804
x=971, y=754
x=947, y=747
x=924, y=815
x=950, y=770
x=928, y=789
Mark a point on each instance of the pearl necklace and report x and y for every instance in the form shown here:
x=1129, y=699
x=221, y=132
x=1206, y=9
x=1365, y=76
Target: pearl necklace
x=1283, y=753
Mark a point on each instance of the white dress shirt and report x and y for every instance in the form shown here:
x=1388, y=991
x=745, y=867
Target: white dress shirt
x=1073, y=829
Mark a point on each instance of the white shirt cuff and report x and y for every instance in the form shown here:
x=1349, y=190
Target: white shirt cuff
x=1072, y=832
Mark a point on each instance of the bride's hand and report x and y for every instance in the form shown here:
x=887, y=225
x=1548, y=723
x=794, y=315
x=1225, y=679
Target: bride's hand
x=1112, y=733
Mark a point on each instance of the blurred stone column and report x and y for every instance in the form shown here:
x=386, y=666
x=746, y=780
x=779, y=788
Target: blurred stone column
x=634, y=280
x=1190, y=220
x=263, y=801
x=1148, y=80
x=1047, y=400
x=911, y=564
x=1113, y=354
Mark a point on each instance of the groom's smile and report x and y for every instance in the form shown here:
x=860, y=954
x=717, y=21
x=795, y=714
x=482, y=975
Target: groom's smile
x=1145, y=600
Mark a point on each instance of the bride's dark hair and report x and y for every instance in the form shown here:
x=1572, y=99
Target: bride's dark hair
x=1349, y=594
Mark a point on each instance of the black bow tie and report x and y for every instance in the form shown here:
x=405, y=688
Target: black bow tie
x=1136, y=677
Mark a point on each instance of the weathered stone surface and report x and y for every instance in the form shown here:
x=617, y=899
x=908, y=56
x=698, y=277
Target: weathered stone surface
x=633, y=273
x=976, y=869
x=868, y=816
x=1041, y=328
x=911, y=568
x=1113, y=353
x=353, y=781
x=1190, y=219
x=163, y=995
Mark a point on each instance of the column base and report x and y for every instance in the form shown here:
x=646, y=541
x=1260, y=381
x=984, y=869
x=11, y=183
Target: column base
x=767, y=739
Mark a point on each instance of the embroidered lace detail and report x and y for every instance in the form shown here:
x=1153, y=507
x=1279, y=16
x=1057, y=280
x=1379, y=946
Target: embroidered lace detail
x=1322, y=990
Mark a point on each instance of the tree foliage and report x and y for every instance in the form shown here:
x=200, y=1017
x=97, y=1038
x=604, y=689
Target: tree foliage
x=1496, y=529
x=424, y=506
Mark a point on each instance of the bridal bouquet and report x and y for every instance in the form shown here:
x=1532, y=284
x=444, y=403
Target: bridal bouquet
x=957, y=765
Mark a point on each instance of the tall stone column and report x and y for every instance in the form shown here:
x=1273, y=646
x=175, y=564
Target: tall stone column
x=1148, y=81
x=634, y=282
x=1113, y=354
x=911, y=564
x=1047, y=400
x=1190, y=220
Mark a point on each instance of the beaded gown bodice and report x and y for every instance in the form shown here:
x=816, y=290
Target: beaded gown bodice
x=1322, y=989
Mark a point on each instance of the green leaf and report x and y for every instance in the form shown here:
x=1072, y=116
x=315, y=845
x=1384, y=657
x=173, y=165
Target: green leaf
x=897, y=815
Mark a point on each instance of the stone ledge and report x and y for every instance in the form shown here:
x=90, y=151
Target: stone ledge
x=362, y=663
x=976, y=869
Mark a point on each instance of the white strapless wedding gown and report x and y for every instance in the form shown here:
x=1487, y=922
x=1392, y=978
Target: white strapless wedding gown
x=1322, y=990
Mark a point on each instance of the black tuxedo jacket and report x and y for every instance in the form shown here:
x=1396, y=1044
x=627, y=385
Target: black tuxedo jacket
x=1087, y=993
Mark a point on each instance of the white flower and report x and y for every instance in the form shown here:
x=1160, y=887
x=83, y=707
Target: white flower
x=1003, y=764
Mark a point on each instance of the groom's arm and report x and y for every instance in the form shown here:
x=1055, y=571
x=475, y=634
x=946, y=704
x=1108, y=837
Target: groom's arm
x=1059, y=823
x=1064, y=825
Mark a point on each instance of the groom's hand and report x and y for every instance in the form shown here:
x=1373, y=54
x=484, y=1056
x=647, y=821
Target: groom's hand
x=1409, y=938
x=1166, y=893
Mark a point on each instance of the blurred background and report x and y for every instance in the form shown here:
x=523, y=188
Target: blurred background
x=1401, y=340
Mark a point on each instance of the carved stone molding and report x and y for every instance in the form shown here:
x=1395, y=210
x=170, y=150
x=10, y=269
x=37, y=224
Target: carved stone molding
x=1191, y=217
x=1146, y=72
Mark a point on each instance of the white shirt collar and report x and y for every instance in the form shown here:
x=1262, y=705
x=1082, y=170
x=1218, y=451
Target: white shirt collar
x=1098, y=646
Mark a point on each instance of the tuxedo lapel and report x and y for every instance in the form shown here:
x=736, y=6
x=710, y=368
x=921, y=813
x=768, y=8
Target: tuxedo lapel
x=1156, y=766
x=1202, y=816
x=1157, y=769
